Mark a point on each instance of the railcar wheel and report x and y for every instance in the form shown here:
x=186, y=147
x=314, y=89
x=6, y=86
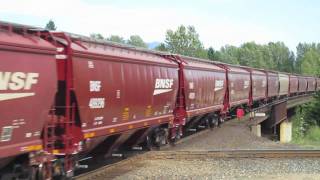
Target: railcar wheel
x=214, y=122
x=157, y=138
x=33, y=173
x=207, y=123
x=172, y=141
x=150, y=145
x=58, y=170
x=220, y=121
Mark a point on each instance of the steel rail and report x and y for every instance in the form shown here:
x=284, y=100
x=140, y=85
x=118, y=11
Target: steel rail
x=119, y=168
x=235, y=153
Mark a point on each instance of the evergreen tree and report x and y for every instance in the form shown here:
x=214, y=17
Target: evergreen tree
x=213, y=55
x=51, y=25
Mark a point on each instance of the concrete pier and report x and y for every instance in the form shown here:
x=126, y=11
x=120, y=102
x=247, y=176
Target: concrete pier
x=285, y=132
x=256, y=130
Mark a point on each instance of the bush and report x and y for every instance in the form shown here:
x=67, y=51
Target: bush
x=305, y=126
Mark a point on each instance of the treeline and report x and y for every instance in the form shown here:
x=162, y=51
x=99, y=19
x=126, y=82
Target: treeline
x=274, y=55
x=134, y=40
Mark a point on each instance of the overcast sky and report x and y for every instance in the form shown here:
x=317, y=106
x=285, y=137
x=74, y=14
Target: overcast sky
x=219, y=22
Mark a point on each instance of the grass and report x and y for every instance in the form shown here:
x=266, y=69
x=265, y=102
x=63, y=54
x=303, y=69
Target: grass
x=303, y=134
x=306, y=124
x=312, y=137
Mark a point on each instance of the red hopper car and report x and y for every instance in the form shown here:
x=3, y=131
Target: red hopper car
x=27, y=88
x=294, y=84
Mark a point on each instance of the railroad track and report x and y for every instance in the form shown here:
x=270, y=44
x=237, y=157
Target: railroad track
x=121, y=167
x=266, y=153
x=102, y=170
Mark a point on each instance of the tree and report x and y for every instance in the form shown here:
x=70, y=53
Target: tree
x=302, y=63
x=96, y=36
x=251, y=54
x=267, y=57
x=312, y=112
x=116, y=38
x=229, y=54
x=51, y=26
x=280, y=55
x=310, y=62
x=185, y=41
x=275, y=56
x=137, y=41
x=213, y=55
x=201, y=53
x=291, y=62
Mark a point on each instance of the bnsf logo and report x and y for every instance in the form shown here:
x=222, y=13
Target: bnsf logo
x=162, y=86
x=17, y=80
x=163, y=83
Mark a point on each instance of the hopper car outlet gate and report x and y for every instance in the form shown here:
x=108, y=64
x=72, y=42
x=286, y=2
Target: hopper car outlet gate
x=66, y=97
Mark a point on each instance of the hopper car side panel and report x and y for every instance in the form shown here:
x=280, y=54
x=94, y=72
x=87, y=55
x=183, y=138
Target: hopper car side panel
x=27, y=88
x=302, y=84
x=294, y=84
x=239, y=86
x=116, y=95
x=318, y=83
x=259, y=85
x=311, y=84
x=205, y=90
x=284, y=84
x=273, y=84
x=220, y=88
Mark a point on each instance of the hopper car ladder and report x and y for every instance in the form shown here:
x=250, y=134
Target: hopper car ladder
x=59, y=135
x=58, y=138
x=179, y=112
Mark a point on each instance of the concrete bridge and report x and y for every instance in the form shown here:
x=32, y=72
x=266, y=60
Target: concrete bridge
x=274, y=118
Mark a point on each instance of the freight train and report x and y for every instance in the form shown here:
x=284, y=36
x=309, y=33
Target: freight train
x=64, y=97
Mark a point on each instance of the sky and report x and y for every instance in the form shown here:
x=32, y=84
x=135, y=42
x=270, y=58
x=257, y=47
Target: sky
x=218, y=22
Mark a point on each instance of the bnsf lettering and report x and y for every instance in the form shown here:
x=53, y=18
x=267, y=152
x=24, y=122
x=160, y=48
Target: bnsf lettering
x=96, y=103
x=17, y=80
x=163, y=83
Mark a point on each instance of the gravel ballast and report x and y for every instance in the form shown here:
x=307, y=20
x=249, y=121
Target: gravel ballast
x=226, y=169
x=232, y=134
